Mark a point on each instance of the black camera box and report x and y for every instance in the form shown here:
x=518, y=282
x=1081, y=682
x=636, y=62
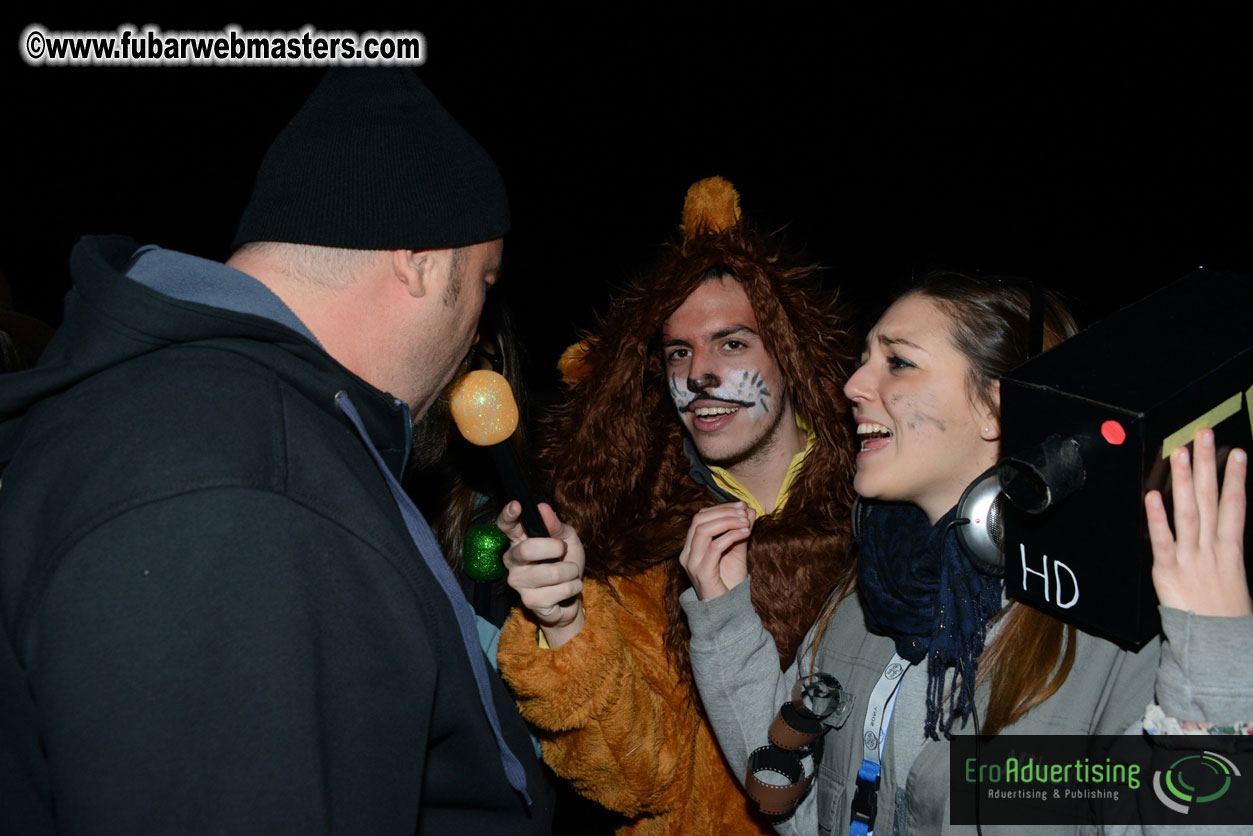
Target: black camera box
x=1130, y=389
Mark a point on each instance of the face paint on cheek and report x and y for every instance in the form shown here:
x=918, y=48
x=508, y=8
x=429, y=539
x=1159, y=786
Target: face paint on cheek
x=680, y=394
x=748, y=388
x=921, y=422
x=916, y=418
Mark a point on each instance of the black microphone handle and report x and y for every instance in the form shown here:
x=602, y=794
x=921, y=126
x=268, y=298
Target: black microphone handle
x=516, y=488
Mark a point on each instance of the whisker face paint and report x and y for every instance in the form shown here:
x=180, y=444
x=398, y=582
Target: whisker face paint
x=744, y=388
x=728, y=390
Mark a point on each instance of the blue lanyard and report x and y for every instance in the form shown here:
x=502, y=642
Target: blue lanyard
x=874, y=738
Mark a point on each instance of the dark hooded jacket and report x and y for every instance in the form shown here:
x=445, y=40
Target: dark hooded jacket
x=213, y=618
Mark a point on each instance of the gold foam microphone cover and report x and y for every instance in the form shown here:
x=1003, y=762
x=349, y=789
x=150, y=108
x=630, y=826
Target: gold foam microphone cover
x=483, y=408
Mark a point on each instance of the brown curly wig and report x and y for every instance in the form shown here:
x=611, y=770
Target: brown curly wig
x=620, y=477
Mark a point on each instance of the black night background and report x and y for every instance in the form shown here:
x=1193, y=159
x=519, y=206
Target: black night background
x=1100, y=148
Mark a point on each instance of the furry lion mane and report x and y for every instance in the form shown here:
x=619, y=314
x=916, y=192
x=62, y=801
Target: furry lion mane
x=620, y=477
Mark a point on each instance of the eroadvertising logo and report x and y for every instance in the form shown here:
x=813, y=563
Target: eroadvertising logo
x=1112, y=780
x=1194, y=779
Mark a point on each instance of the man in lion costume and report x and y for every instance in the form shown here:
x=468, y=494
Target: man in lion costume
x=706, y=414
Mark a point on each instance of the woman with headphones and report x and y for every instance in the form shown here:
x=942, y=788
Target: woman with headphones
x=914, y=642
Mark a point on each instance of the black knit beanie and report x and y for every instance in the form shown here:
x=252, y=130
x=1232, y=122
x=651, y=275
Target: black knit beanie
x=373, y=161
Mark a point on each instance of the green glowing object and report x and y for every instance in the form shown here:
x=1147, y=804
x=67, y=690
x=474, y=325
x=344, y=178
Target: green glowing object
x=482, y=552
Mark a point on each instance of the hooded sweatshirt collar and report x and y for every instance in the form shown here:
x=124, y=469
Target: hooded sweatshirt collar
x=193, y=279
x=111, y=318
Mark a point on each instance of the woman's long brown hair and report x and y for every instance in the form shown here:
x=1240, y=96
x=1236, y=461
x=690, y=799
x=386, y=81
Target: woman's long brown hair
x=1032, y=653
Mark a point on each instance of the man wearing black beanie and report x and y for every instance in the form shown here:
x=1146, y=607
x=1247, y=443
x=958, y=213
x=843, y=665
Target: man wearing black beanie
x=220, y=612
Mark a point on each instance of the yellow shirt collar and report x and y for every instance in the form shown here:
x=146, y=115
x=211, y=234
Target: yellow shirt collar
x=732, y=486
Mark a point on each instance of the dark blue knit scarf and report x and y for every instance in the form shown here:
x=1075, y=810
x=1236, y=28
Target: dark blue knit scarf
x=918, y=588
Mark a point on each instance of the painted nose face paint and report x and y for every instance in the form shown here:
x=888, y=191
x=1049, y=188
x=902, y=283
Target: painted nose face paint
x=744, y=387
x=705, y=381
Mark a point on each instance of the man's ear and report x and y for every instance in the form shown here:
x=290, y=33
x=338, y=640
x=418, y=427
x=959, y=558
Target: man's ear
x=420, y=270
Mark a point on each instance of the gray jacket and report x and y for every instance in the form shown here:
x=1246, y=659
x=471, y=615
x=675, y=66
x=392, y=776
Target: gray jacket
x=736, y=669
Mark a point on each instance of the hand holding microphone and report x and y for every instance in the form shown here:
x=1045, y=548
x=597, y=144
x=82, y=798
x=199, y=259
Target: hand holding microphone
x=545, y=557
x=547, y=572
